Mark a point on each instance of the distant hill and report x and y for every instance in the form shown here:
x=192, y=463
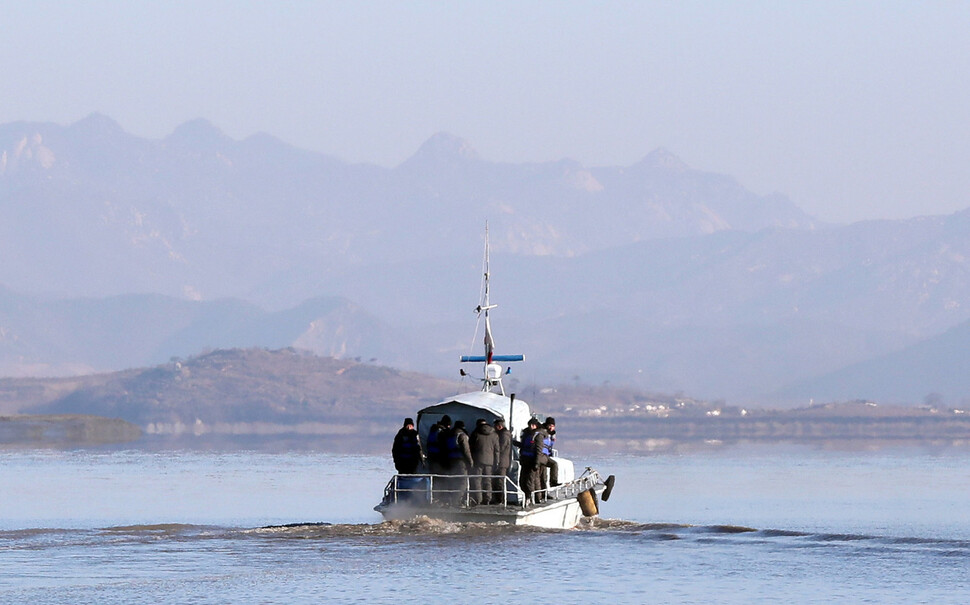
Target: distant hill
x=239, y=391
x=294, y=399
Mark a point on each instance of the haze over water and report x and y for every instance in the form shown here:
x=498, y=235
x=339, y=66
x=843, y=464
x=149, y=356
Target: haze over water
x=741, y=525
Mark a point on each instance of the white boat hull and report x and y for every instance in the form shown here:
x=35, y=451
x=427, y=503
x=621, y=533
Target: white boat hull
x=559, y=514
x=560, y=511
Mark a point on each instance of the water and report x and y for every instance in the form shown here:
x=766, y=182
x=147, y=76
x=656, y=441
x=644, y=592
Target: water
x=738, y=526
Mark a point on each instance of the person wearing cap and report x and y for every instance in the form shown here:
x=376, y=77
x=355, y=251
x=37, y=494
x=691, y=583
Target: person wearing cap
x=406, y=450
x=528, y=479
x=437, y=444
x=484, y=447
x=548, y=468
x=503, y=462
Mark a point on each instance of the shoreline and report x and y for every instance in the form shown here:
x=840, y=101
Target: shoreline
x=579, y=436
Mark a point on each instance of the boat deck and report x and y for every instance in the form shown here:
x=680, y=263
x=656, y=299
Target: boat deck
x=453, y=497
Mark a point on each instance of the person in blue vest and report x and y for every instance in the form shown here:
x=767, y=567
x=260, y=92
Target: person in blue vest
x=528, y=475
x=548, y=468
x=407, y=451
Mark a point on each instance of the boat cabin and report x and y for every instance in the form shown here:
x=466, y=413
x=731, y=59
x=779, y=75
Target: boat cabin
x=469, y=407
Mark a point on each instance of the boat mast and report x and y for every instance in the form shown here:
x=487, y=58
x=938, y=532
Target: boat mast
x=493, y=370
x=484, y=308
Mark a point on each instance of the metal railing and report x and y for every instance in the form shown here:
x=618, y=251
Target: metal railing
x=571, y=489
x=450, y=490
x=464, y=490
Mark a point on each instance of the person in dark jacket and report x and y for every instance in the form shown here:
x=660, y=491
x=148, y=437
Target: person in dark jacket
x=503, y=463
x=406, y=450
x=484, y=447
x=459, y=451
x=460, y=461
x=528, y=475
x=545, y=459
x=437, y=446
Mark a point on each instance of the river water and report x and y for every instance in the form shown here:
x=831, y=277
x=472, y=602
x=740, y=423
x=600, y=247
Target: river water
x=736, y=525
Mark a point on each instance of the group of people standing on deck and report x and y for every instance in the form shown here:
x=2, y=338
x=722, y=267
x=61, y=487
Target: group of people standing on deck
x=538, y=471
x=485, y=455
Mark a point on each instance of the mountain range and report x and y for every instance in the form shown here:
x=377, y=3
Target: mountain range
x=199, y=215
x=121, y=252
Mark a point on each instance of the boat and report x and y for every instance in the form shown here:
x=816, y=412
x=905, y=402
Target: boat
x=453, y=497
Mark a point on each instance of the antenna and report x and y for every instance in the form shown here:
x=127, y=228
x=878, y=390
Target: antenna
x=493, y=369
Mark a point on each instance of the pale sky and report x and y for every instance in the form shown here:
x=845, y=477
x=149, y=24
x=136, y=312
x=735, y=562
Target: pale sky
x=855, y=110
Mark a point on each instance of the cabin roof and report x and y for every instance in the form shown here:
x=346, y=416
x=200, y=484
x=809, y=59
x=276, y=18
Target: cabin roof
x=471, y=406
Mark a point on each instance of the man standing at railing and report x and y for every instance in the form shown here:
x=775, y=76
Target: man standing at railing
x=503, y=462
x=484, y=446
x=549, y=443
x=528, y=479
x=544, y=442
x=437, y=446
x=459, y=452
x=407, y=451
x=460, y=461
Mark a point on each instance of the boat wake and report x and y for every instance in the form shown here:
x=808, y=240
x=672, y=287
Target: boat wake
x=417, y=526
x=740, y=534
x=421, y=527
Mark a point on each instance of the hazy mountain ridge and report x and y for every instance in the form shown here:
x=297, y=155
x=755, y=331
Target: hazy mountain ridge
x=732, y=314
x=655, y=274
x=737, y=312
x=198, y=213
x=933, y=371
